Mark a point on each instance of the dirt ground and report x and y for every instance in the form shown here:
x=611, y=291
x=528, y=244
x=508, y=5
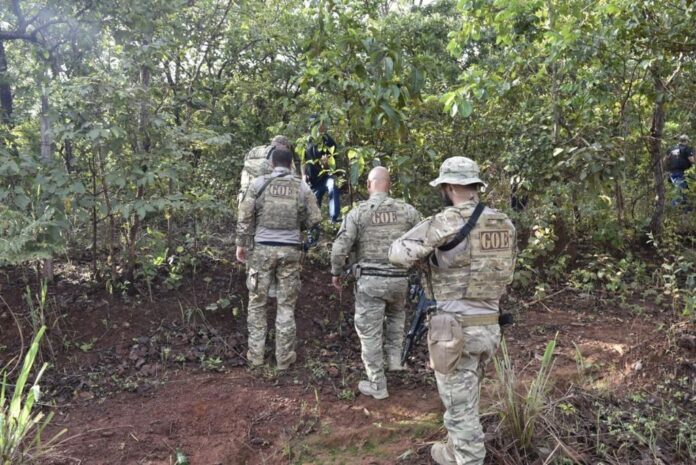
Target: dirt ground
x=136, y=380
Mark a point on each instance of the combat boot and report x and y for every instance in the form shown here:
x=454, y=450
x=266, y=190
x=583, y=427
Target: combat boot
x=286, y=364
x=442, y=453
x=376, y=390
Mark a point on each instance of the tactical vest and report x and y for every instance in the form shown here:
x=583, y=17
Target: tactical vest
x=278, y=206
x=379, y=227
x=483, y=264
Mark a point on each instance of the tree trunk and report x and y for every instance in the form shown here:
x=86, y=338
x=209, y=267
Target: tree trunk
x=111, y=244
x=5, y=89
x=143, y=147
x=620, y=203
x=655, y=149
x=93, y=173
x=46, y=152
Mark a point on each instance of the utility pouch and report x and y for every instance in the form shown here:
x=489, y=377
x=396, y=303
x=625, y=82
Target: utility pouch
x=445, y=342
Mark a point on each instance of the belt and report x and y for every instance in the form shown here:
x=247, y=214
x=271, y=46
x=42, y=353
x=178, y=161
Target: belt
x=477, y=320
x=279, y=244
x=382, y=273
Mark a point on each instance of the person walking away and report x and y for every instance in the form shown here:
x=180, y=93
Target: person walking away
x=466, y=276
x=274, y=210
x=381, y=289
x=257, y=163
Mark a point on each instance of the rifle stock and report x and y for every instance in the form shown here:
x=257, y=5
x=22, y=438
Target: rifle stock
x=417, y=327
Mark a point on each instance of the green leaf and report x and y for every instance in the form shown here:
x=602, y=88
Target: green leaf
x=466, y=109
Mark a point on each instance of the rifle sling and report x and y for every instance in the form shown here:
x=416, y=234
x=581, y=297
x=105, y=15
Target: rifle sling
x=466, y=229
x=269, y=181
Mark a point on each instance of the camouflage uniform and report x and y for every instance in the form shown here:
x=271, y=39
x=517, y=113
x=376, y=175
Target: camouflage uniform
x=257, y=163
x=273, y=220
x=380, y=290
x=467, y=282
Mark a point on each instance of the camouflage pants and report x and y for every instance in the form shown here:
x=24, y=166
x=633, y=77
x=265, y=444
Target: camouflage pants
x=459, y=391
x=266, y=264
x=378, y=299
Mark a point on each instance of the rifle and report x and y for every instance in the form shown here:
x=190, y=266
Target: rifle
x=418, y=327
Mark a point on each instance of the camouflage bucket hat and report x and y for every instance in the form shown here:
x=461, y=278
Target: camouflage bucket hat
x=280, y=140
x=683, y=138
x=458, y=170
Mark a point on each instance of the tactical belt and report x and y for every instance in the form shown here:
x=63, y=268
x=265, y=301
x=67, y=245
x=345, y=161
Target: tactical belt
x=279, y=244
x=382, y=273
x=477, y=320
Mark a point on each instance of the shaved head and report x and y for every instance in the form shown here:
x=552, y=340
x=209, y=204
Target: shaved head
x=378, y=180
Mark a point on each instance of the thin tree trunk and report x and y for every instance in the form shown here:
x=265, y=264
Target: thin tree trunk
x=655, y=148
x=93, y=172
x=110, y=260
x=620, y=203
x=6, y=104
x=554, y=82
x=68, y=156
x=143, y=146
x=46, y=152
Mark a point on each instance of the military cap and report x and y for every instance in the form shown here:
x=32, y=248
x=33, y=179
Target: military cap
x=683, y=138
x=280, y=140
x=458, y=170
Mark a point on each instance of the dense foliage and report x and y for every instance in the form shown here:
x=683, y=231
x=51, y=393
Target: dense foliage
x=123, y=124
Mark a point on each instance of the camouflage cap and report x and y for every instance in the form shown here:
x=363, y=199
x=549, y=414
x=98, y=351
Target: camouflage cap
x=280, y=140
x=458, y=170
x=683, y=138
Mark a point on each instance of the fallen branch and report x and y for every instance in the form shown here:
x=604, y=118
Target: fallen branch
x=540, y=299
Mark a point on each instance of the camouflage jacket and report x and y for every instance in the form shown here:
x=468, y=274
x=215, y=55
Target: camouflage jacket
x=478, y=269
x=295, y=213
x=369, y=229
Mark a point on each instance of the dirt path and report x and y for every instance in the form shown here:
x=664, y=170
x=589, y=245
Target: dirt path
x=150, y=381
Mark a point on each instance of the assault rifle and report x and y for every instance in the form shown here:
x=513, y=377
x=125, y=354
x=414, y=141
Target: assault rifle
x=418, y=327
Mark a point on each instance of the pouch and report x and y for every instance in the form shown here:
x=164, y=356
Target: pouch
x=445, y=342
